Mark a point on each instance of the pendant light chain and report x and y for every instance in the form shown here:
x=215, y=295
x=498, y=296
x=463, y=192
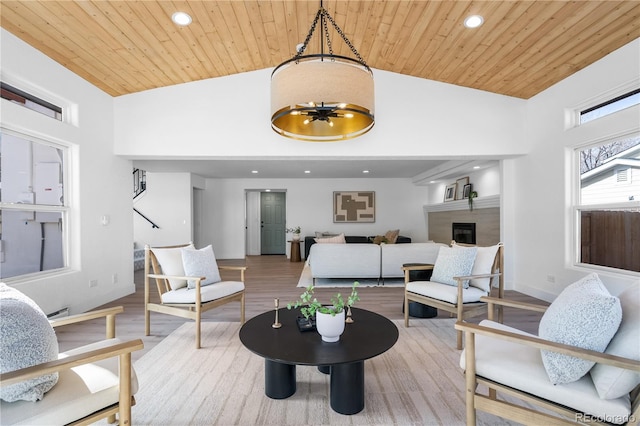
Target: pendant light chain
x=322, y=12
x=346, y=40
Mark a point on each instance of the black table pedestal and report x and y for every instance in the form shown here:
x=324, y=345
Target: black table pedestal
x=279, y=379
x=347, y=387
x=286, y=347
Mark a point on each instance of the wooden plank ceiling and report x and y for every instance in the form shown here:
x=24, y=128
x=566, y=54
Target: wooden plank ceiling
x=128, y=46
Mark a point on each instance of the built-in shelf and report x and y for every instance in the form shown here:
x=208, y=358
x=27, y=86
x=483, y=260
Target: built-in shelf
x=478, y=203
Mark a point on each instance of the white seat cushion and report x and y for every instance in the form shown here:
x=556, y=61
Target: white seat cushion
x=445, y=292
x=520, y=367
x=611, y=381
x=78, y=393
x=208, y=293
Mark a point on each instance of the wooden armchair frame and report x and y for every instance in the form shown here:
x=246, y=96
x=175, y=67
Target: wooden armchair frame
x=491, y=404
x=185, y=310
x=119, y=349
x=461, y=310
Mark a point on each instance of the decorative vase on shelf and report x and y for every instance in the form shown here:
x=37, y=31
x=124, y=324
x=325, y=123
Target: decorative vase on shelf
x=330, y=327
x=295, y=237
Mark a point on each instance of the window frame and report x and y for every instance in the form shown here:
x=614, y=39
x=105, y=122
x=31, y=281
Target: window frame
x=65, y=210
x=577, y=207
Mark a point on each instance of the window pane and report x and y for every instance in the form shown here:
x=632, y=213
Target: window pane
x=29, y=101
x=609, y=107
x=31, y=172
x=610, y=173
x=31, y=242
x=611, y=238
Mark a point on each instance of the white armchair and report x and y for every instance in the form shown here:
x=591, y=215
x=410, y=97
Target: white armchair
x=188, y=283
x=85, y=384
x=460, y=279
x=520, y=366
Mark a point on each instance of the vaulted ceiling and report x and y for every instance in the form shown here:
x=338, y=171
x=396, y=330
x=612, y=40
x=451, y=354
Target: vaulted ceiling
x=522, y=48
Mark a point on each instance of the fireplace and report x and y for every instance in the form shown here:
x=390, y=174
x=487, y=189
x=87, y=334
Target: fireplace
x=463, y=232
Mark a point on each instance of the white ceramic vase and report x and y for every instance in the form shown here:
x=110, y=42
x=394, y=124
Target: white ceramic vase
x=330, y=327
x=295, y=237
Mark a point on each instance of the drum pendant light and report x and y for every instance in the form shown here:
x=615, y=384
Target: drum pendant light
x=322, y=97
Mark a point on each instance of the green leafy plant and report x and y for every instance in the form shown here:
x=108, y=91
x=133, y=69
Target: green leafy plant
x=309, y=305
x=472, y=195
x=294, y=230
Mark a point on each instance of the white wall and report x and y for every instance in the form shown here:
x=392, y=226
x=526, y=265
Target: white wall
x=101, y=181
x=167, y=203
x=309, y=205
x=229, y=117
x=538, y=189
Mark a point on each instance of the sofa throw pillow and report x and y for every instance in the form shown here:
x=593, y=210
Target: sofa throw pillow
x=200, y=263
x=613, y=382
x=482, y=266
x=170, y=260
x=325, y=234
x=583, y=315
x=27, y=339
x=338, y=239
x=453, y=262
x=392, y=236
x=378, y=239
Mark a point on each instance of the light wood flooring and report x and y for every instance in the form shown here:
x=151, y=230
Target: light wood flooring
x=267, y=277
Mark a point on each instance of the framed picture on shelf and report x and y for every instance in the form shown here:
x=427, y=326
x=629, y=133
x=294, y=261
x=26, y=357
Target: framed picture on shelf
x=466, y=191
x=450, y=192
x=460, y=184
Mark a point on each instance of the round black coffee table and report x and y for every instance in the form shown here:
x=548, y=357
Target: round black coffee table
x=283, y=348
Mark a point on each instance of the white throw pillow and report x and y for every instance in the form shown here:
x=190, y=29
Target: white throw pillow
x=453, y=262
x=170, y=260
x=583, y=315
x=27, y=339
x=338, y=239
x=482, y=266
x=200, y=263
x=613, y=382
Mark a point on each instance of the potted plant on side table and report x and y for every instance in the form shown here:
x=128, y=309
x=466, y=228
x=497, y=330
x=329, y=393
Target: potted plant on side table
x=295, y=232
x=330, y=319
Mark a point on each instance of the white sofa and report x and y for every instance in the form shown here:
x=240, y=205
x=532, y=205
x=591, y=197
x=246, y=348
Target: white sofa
x=344, y=260
x=368, y=260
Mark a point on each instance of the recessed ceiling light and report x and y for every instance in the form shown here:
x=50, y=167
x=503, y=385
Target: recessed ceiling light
x=476, y=167
x=307, y=171
x=181, y=18
x=473, y=21
x=254, y=172
x=365, y=171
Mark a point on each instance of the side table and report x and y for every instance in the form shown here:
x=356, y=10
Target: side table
x=418, y=272
x=295, y=251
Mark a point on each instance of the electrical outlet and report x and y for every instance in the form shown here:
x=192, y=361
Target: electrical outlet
x=93, y=283
x=114, y=279
x=551, y=279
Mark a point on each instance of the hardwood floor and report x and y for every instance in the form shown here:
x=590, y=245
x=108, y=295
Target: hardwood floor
x=267, y=277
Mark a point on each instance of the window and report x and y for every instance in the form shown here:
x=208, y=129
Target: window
x=33, y=210
x=609, y=107
x=29, y=101
x=608, y=208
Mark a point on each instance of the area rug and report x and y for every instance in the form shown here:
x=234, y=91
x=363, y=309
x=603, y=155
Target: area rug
x=416, y=382
x=306, y=280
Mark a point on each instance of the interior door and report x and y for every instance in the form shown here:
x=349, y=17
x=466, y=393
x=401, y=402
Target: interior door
x=272, y=222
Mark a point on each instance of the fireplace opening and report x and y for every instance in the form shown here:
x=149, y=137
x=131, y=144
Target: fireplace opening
x=464, y=233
